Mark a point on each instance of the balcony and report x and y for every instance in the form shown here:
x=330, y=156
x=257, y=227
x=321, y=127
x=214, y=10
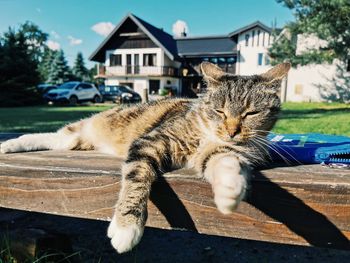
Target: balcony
x=139, y=71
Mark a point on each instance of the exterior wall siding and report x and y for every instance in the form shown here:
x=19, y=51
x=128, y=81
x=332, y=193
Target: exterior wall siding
x=247, y=63
x=133, y=51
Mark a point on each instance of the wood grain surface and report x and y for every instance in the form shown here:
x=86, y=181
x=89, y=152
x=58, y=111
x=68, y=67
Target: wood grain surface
x=306, y=205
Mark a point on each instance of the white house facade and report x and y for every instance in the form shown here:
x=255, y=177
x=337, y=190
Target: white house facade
x=142, y=56
x=252, y=46
x=140, y=68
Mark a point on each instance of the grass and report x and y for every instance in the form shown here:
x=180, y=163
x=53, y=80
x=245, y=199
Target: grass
x=328, y=118
x=43, y=118
x=7, y=255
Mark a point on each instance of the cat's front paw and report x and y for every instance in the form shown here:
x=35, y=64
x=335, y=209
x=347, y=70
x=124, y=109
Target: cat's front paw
x=229, y=185
x=124, y=237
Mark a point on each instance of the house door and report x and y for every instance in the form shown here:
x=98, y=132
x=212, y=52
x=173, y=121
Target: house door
x=154, y=85
x=128, y=64
x=136, y=64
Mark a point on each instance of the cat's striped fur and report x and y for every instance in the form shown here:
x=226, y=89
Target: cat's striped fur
x=217, y=135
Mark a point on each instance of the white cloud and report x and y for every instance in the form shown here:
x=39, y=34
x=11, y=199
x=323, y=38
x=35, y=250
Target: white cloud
x=55, y=34
x=179, y=27
x=74, y=41
x=103, y=28
x=53, y=45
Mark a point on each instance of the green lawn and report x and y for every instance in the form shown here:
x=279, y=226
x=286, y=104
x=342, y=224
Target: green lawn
x=327, y=118
x=43, y=118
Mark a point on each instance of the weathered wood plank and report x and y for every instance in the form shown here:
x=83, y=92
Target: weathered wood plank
x=307, y=205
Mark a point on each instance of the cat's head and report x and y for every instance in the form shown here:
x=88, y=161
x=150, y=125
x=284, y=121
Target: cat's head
x=239, y=108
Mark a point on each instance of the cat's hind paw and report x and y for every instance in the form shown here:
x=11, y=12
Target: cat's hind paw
x=9, y=146
x=124, y=238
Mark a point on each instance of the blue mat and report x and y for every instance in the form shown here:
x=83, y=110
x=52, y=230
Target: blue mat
x=310, y=148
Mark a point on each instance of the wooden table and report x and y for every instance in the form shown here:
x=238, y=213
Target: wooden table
x=306, y=205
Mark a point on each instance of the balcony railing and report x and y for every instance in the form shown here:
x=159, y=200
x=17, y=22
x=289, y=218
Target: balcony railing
x=141, y=70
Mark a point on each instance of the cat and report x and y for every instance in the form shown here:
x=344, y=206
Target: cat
x=221, y=135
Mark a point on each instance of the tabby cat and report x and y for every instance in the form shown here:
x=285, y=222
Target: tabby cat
x=221, y=135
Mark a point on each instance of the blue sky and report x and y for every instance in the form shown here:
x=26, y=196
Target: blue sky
x=70, y=22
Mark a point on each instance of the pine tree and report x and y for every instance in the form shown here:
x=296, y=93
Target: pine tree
x=59, y=71
x=79, y=70
x=45, y=65
x=18, y=68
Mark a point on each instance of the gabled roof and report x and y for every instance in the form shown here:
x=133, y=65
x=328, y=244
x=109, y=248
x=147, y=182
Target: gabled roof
x=252, y=25
x=158, y=36
x=205, y=45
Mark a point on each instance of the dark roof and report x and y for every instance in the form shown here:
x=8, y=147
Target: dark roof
x=207, y=45
x=166, y=40
x=179, y=47
x=252, y=25
x=157, y=35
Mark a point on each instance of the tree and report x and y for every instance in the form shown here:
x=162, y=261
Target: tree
x=59, y=71
x=328, y=20
x=19, y=74
x=79, y=69
x=45, y=64
x=35, y=39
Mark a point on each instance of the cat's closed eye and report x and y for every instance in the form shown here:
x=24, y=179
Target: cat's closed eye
x=250, y=113
x=220, y=112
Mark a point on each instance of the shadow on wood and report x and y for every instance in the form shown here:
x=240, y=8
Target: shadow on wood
x=170, y=205
x=284, y=207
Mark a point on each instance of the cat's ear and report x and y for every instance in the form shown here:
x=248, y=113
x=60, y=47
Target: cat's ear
x=272, y=79
x=278, y=72
x=211, y=72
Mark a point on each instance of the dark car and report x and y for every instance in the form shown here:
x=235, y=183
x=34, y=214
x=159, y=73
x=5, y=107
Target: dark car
x=43, y=88
x=119, y=94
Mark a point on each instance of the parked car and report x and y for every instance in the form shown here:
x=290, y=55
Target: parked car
x=44, y=88
x=119, y=94
x=74, y=92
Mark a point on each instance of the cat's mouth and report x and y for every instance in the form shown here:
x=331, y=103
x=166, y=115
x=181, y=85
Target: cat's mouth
x=238, y=141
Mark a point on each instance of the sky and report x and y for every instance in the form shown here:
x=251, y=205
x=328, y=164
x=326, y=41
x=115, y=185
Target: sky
x=81, y=25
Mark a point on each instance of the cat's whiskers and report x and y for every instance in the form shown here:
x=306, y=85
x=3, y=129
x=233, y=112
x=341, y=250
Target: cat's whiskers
x=276, y=148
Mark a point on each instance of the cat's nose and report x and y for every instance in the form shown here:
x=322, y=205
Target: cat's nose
x=232, y=133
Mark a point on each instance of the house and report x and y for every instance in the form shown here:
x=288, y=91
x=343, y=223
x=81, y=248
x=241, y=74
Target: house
x=143, y=56
x=317, y=82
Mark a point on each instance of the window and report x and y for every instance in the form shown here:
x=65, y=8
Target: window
x=253, y=35
x=246, y=40
x=260, y=59
x=115, y=60
x=86, y=86
x=231, y=60
x=154, y=86
x=221, y=60
x=214, y=60
x=267, y=60
x=263, y=38
x=149, y=59
x=258, y=38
